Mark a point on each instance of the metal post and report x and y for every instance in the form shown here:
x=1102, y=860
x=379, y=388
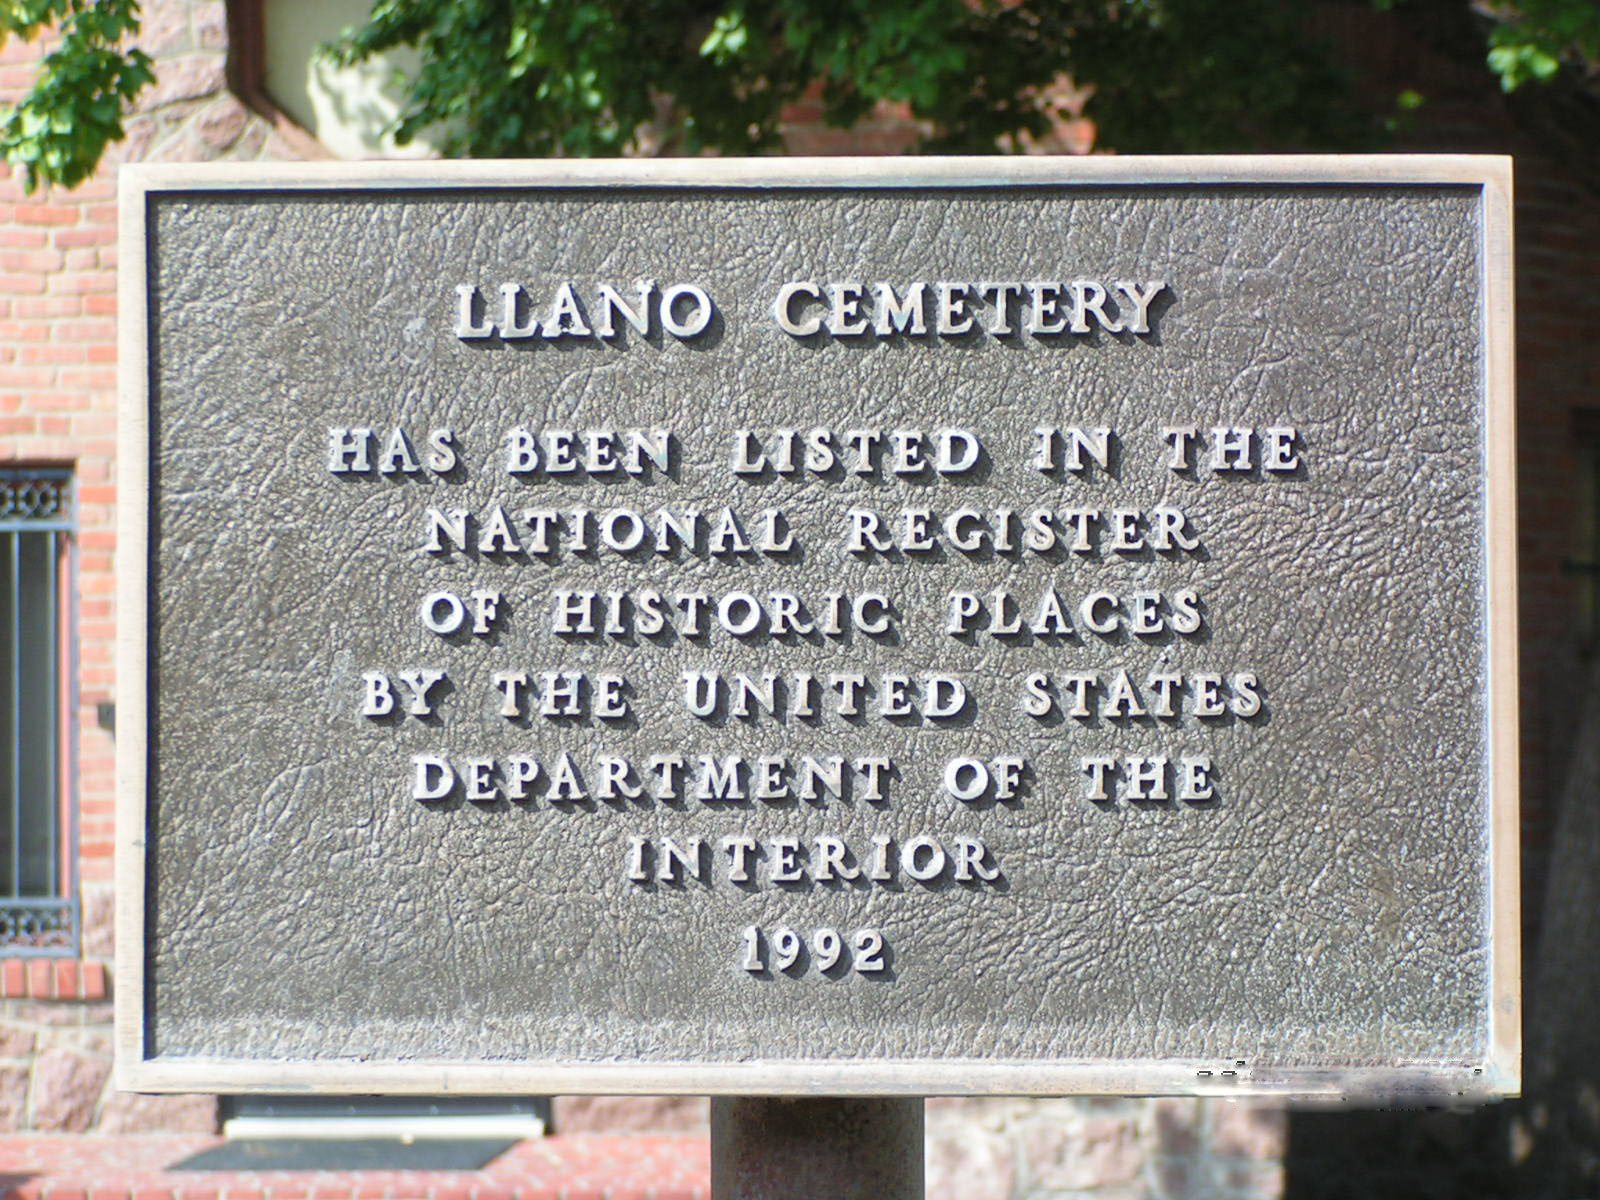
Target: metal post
x=773, y=1149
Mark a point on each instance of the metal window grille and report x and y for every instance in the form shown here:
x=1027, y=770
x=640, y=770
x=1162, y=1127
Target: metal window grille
x=38, y=816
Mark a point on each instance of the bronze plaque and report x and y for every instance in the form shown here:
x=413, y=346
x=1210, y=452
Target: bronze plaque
x=1019, y=627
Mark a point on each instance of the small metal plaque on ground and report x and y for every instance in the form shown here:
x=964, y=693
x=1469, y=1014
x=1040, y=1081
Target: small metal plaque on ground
x=819, y=627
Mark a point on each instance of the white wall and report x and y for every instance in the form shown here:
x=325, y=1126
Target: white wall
x=347, y=108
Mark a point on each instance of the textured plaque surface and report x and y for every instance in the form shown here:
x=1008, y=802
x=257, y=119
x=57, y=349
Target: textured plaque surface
x=1320, y=902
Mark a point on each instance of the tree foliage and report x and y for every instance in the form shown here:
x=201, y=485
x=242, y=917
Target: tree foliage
x=513, y=78
x=1532, y=40
x=508, y=78
x=59, y=130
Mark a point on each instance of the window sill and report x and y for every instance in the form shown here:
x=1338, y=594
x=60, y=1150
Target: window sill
x=53, y=979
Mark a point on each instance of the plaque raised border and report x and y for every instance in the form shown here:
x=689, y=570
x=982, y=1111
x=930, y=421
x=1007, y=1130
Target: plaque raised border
x=141, y=1069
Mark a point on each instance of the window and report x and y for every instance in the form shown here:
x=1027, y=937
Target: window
x=252, y=1118
x=38, y=855
x=274, y=65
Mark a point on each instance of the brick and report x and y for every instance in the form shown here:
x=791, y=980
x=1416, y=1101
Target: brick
x=165, y=30
x=14, y=979
x=39, y=978
x=102, y=185
x=1184, y=1176
x=98, y=918
x=56, y=402
x=82, y=237
x=15, y=1043
x=83, y=281
x=20, y=261
x=185, y=78
x=1177, y=1125
x=1249, y=1131
x=221, y=125
x=964, y=1159
x=96, y=1015
x=87, y=425
x=95, y=981
x=26, y=377
x=1254, y=1181
x=66, y=1090
x=66, y=979
x=48, y=214
x=630, y=1114
x=95, y=379
x=13, y=1099
x=86, y=331
x=1098, y=1152
x=254, y=141
x=16, y=80
x=209, y=20
x=49, y=306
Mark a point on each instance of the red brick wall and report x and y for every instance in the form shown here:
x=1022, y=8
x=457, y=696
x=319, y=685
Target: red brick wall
x=57, y=378
x=58, y=352
x=57, y=389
